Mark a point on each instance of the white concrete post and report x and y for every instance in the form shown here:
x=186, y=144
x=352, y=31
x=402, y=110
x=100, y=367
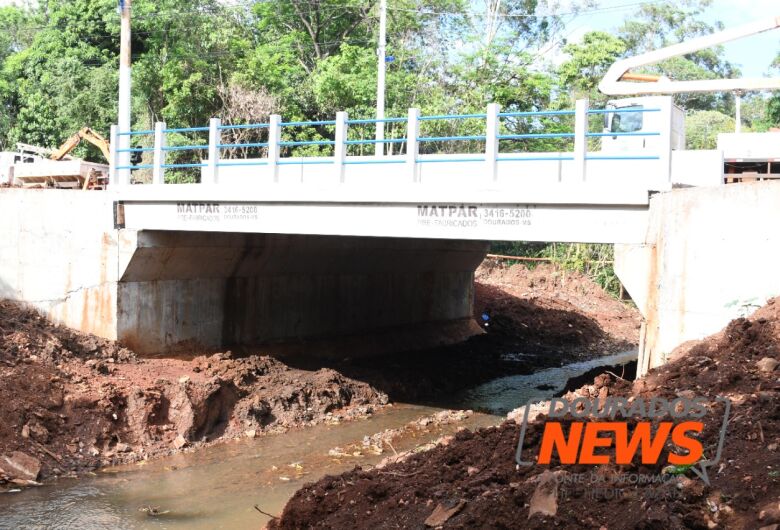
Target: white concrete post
x=491, y=141
x=212, y=167
x=412, y=145
x=580, y=139
x=665, y=144
x=274, y=137
x=113, y=146
x=340, y=146
x=158, y=171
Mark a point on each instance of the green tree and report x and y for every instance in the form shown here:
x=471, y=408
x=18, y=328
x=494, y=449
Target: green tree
x=703, y=126
x=773, y=105
x=588, y=62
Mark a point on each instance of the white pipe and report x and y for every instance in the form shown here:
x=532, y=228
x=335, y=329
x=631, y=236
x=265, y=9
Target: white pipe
x=611, y=84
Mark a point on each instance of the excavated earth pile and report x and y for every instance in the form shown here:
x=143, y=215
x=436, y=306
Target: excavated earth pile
x=472, y=480
x=73, y=402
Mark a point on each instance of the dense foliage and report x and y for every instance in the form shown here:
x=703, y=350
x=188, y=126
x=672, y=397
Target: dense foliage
x=306, y=59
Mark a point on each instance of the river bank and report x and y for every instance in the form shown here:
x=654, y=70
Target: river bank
x=474, y=481
x=76, y=402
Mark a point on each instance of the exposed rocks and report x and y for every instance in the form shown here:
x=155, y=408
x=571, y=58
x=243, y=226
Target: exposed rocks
x=443, y=513
x=767, y=364
x=544, y=500
x=19, y=465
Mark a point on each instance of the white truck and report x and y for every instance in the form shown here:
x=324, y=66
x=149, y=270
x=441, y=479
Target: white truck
x=8, y=159
x=741, y=156
x=628, y=117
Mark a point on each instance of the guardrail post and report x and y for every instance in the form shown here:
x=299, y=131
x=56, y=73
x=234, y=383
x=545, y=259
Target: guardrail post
x=212, y=166
x=580, y=139
x=274, y=137
x=491, y=141
x=158, y=171
x=340, y=147
x=412, y=145
x=113, y=146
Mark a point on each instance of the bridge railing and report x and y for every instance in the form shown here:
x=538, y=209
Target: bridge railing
x=407, y=151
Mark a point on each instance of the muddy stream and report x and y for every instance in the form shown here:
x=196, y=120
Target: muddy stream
x=218, y=487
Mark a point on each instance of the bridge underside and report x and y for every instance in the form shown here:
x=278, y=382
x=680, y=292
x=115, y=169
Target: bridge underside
x=188, y=290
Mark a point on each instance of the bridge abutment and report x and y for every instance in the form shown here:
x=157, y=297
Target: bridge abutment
x=710, y=255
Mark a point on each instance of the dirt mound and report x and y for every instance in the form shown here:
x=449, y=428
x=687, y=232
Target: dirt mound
x=553, y=323
x=25, y=334
x=559, y=292
x=473, y=481
x=75, y=401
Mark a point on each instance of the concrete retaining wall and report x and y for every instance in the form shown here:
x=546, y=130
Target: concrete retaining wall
x=165, y=291
x=711, y=255
x=58, y=252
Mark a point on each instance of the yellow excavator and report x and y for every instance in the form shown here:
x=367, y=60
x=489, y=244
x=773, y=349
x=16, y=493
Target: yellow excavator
x=84, y=134
x=96, y=180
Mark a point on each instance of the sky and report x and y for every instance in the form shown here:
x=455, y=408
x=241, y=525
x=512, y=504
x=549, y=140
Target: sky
x=753, y=54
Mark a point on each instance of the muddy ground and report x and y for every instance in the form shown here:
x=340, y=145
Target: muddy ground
x=473, y=481
x=73, y=402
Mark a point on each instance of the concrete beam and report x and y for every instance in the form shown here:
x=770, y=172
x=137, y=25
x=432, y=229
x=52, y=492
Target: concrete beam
x=435, y=220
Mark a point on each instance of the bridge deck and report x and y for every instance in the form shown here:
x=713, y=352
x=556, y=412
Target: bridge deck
x=410, y=191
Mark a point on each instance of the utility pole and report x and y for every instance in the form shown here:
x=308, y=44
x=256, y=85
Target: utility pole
x=379, y=147
x=123, y=141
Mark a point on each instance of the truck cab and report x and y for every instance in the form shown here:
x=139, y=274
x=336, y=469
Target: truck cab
x=641, y=124
x=9, y=159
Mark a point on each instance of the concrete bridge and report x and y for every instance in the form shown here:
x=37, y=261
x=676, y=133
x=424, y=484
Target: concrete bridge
x=490, y=194
x=277, y=247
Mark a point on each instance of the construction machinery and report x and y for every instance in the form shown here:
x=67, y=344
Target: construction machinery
x=60, y=170
x=84, y=134
x=746, y=156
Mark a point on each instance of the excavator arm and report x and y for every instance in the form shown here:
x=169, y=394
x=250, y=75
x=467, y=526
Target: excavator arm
x=84, y=134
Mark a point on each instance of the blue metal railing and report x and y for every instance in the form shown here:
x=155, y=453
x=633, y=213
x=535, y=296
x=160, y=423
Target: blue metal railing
x=501, y=123
x=244, y=126
x=238, y=146
x=185, y=130
x=452, y=117
x=524, y=114
x=375, y=120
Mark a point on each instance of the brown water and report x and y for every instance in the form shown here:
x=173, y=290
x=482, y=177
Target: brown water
x=218, y=487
